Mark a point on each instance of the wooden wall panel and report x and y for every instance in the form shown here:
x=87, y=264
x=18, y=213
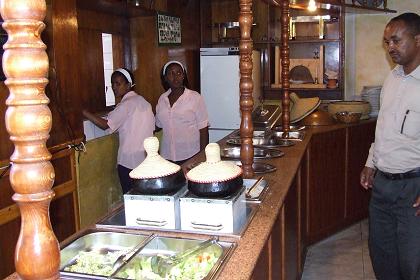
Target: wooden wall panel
x=189, y=52
x=9, y=234
x=92, y=69
x=147, y=58
x=63, y=90
x=101, y=22
x=6, y=146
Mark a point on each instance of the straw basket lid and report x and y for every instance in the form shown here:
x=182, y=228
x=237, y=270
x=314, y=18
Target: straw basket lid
x=154, y=165
x=302, y=107
x=213, y=169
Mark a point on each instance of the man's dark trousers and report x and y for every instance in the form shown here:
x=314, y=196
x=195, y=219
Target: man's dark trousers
x=394, y=230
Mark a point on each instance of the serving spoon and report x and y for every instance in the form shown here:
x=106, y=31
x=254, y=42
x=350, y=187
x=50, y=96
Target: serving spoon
x=161, y=264
x=125, y=257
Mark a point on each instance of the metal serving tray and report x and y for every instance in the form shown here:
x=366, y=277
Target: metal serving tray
x=293, y=135
x=270, y=142
x=101, y=241
x=291, y=128
x=258, y=188
x=171, y=246
x=259, y=153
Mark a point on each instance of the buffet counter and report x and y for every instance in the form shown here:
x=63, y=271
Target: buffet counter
x=273, y=245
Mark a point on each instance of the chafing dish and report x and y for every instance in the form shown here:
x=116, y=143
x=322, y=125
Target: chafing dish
x=259, y=153
x=101, y=242
x=259, y=167
x=270, y=142
x=293, y=135
x=291, y=128
x=105, y=242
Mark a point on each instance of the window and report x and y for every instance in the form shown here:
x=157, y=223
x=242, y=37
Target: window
x=108, y=68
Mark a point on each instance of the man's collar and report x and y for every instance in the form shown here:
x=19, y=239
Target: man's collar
x=399, y=70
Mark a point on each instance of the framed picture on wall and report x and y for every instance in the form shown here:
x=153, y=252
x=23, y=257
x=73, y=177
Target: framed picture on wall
x=168, y=29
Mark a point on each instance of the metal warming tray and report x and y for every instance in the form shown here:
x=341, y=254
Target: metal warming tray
x=256, y=189
x=171, y=246
x=269, y=142
x=293, y=135
x=105, y=242
x=102, y=242
x=265, y=117
x=259, y=153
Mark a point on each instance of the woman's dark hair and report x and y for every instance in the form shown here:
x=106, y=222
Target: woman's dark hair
x=122, y=75
x=411, y=20
x=165, y=84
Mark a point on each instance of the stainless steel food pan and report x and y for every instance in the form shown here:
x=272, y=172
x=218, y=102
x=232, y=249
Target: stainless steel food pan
x=171, y=246
x=235, y=153
x=293, y=135
x=103, y=242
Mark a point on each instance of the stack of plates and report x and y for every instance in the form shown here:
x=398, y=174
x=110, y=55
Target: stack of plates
x=371, y=94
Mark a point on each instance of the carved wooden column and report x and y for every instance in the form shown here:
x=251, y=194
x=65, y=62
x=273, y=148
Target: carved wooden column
x=246, y=87
x=28, y=121
x=285, y=63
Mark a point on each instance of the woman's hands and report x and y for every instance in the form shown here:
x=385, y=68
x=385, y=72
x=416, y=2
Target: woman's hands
x=366, y=177
x=98, y=121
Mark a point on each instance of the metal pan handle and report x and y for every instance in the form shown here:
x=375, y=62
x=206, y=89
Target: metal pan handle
x=154, y=223
x=217, y=227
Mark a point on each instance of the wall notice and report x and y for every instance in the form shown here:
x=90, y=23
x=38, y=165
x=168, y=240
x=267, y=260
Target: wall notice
x=169, y=30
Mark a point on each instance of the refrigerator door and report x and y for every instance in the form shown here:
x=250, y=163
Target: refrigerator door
x=220, y=89
x=219, y=76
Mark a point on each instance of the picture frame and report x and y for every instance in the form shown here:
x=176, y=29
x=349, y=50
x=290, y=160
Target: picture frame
x=168, y=29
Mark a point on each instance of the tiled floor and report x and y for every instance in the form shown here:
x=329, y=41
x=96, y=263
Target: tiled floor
x=343, y=256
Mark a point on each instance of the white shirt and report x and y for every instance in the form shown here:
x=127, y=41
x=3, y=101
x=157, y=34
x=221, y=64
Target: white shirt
x=133, y=119
x=397, y=138
x=181, y=124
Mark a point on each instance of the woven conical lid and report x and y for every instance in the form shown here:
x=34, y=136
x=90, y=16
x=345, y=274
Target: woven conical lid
x=213, y=169
x=302, y=107
x=153, y=166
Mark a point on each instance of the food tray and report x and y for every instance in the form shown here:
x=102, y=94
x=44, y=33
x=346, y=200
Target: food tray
x=259, y=153
x=271, y=142
x=293, y=135
x=103, y=242
x=170, y=246
x=259, y=167
x=259, y=189
x=291, y=128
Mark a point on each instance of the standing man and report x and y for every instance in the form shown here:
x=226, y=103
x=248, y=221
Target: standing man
x=393, y=167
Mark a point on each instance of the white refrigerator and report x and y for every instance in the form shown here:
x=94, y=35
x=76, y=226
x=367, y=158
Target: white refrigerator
x=219, y=81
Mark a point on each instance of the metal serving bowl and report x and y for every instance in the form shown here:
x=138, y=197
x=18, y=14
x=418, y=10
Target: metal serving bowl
x=259, y=153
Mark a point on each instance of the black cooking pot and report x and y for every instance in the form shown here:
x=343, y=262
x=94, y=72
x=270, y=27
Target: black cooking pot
x=216, y=189
x=160, y=185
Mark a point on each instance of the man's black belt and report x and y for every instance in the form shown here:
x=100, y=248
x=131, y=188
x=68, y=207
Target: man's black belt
x=400, y=176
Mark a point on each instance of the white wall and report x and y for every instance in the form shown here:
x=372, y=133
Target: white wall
x=367, y=62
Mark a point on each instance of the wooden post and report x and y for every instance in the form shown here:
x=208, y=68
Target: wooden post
x=246, y=87
x=28, y=121
x=285, y=63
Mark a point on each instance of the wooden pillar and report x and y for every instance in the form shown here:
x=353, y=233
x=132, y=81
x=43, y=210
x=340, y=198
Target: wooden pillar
x=28, y=121
x=246, y=87
x=285, y=63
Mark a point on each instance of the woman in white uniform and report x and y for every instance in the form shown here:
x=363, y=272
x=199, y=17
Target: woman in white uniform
x=182, y=115
x=134, y=121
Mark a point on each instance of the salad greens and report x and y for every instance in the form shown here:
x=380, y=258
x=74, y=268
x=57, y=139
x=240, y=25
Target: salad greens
x=195, y=267
x=94, y=262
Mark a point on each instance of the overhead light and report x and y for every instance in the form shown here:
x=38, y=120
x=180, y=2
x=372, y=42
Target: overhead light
x=312, y=6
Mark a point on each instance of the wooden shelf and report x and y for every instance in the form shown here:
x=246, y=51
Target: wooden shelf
x=357, y=9
x=299, y=41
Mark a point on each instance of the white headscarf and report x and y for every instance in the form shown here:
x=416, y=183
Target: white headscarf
x=172, y=62
x=126, y=75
